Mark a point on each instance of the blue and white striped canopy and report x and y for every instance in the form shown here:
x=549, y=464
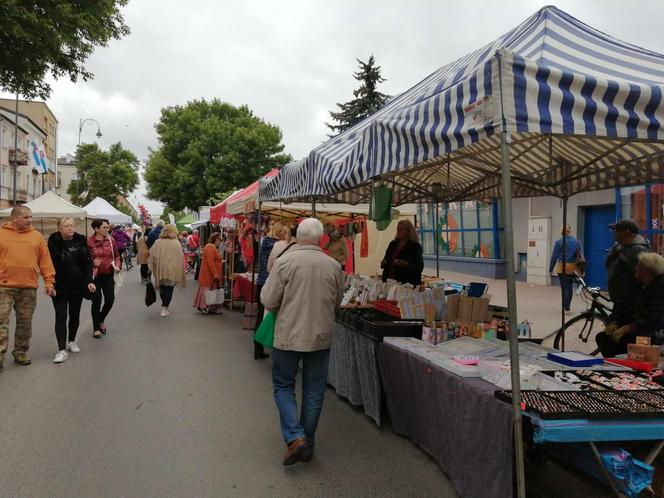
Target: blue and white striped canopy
x=583, y=109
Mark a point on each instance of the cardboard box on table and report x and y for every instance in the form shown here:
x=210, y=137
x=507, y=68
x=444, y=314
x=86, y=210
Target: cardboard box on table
x=643, y=352
x=467, y=309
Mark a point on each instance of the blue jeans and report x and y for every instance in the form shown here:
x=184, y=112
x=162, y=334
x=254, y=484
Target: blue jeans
x=566, y=282
x=314, y=379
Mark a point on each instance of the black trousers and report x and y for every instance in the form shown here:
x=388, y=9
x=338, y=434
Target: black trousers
x=166, y=294
x=67, y=304
x=260, y=310
x=145, y=271
x=106, y=288
x=610, y=349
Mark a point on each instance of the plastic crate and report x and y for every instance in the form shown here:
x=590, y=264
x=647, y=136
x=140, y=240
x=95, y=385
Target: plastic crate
x=388, y=307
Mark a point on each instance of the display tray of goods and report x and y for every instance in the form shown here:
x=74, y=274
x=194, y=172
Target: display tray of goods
x=604, y=405
x=584, y=379
x=378, y=325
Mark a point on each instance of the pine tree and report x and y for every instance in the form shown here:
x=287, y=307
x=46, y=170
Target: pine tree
x=367, y=98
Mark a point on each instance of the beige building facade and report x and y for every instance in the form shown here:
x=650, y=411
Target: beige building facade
x=31, y=182
x=41, y=115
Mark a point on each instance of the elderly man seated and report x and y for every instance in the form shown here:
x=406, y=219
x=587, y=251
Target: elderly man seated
x=648, y=318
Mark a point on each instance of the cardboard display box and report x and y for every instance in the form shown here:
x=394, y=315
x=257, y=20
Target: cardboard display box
x=642, y=352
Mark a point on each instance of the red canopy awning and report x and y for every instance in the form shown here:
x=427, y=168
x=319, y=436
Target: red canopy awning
x=246, y=201
x=221, y=210
x=247, y=194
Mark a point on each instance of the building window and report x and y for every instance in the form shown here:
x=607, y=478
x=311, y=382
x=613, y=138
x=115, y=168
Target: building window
x=468, y=228
x=645, y=205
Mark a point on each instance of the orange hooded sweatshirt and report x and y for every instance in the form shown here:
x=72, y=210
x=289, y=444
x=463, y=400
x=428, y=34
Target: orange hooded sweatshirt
x=23, y=256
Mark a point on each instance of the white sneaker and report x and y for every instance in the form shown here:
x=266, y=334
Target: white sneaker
x=60, y=356
x=164, y=311
x=73, y=347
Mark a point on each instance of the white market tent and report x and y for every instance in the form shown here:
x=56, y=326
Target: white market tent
x=101, y=208
x=554, y=107
x=50, y=205
x=47, y=209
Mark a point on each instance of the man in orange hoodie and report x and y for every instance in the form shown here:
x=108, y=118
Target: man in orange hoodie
x=23, y=253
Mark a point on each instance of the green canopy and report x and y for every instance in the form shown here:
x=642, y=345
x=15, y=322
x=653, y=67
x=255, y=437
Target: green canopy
x=186, y=220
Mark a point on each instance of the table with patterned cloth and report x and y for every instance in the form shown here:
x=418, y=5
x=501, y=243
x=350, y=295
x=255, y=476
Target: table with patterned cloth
x=242, y=288
x=353, y=370
x=457, y=420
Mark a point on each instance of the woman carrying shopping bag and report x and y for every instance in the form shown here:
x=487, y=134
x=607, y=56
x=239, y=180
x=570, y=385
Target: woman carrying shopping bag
x=209, y=278
x=106, y=262
x=73, y=280
x=166, y=265
x=574, y=263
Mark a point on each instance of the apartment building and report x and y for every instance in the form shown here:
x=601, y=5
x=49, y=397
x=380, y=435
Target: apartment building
x=41, y=115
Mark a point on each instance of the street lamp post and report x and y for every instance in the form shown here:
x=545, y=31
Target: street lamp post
x=81, y=122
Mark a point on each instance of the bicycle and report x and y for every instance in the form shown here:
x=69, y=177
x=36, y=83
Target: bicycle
x=580, y=331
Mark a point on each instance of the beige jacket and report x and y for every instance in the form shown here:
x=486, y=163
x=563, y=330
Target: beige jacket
x=166, y=262
x=278, y=247
x=143, y=252
x=304, y=288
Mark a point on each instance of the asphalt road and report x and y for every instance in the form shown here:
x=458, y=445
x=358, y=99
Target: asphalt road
x=177, y=406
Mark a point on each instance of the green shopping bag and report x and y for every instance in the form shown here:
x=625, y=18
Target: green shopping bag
x=265, y=332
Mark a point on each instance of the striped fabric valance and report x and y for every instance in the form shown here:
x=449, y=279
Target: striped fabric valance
x=584, y=111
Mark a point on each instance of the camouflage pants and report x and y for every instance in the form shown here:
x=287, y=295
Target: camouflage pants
x=24, y=302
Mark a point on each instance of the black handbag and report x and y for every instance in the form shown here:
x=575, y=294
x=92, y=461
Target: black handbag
x=150, y=294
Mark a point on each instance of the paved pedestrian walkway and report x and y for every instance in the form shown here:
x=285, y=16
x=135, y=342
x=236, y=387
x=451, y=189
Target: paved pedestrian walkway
x=178, y=407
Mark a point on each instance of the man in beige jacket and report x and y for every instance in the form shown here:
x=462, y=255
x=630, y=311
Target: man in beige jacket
x=304, y=288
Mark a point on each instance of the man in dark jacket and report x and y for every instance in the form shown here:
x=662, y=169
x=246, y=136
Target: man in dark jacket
x=648, y=316
x=155, y=233
x=624, y=288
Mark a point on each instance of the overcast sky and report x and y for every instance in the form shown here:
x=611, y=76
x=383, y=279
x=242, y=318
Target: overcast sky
x=290, y=62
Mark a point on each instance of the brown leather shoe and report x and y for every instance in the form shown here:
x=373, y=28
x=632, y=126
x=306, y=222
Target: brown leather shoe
x=296, y=449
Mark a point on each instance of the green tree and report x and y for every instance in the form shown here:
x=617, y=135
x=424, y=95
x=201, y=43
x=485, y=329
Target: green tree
x=367, y=98
x=207, y=148
x=107, y=174
x=40, y=37
x=177, y=214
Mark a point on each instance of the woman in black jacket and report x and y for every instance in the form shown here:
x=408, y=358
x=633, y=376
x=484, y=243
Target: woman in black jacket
x=73, y=279
x=403, y=259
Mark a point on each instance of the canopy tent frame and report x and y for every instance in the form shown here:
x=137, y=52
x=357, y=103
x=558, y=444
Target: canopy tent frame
x=562, y=124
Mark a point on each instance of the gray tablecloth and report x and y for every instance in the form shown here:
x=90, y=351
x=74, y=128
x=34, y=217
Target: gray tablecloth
x=456, y=420
x=353, y=370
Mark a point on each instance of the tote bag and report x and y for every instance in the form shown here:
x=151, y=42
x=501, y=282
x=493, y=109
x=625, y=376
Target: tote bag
x=215, y=296
x=265, y=332
x=150, y=294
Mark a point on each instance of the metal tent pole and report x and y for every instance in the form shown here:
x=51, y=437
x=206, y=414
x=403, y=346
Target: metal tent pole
x=313, y=207
x=435, y=235
x=253, y=244
x=563, y=274
x=511, y=305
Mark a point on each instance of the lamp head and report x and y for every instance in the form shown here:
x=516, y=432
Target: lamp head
x=98, y=133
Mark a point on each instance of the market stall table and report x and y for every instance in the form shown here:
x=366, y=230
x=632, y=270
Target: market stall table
x=592, y=431
x=457, y=420
x=244, y=289
x=353, y=370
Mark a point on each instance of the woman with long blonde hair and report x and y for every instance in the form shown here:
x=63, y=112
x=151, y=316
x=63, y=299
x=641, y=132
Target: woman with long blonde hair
x=403, y=259
x=266, y=249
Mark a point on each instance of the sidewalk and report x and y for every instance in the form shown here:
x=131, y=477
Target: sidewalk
x=539, y=304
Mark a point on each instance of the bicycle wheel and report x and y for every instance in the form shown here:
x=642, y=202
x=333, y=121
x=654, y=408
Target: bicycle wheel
x=580, y=333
